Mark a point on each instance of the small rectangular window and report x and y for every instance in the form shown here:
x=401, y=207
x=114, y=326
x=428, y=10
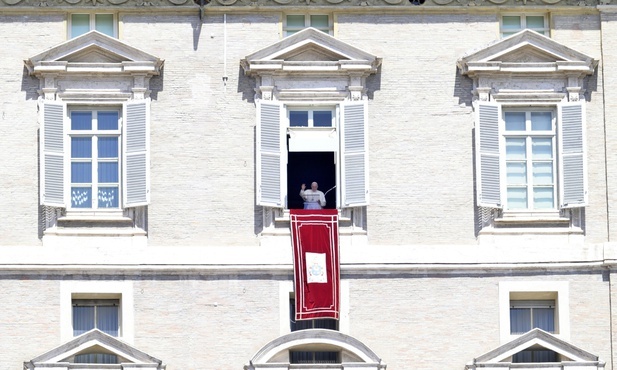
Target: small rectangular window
x=102, y=314
x=83, y=23
x=297, y=22
x=527, y=315
x=511, y=24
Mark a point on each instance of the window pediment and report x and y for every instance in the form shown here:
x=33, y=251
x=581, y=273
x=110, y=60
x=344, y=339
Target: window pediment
x=527, y=52
x=94, y=341
x=310, y=50
x=91, y=52
x=538, y=339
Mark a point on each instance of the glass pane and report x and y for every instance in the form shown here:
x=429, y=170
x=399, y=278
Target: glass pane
x=320, y=22
x=81, y=120
x=108, y=197
x=81, y=172
x=81, y=147
x=96, y=358
x=543, y=198
x=81, y=197
x=516, y=149
x=520, y=320
x=517, y=198
x=295, y=21
x=515, y=121
x=542, y=148
x=298, y=118
x=522, y=357
x=80, y=24
x=516, y=173
x=535, y=21
x=107, y=120
x=107, y=319
x=83, y=319
x=541, y=121
x=322, y=118
x=508, y=34
x=104, y=23
x=108, y=147
x=511, y=22
x=542, y=173
x=108, y=172
x=544, y=318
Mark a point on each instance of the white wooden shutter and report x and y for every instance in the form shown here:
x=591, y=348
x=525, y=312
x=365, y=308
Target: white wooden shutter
x=354, y=154
x=488, y=185
x=572, y=161
x=136, y=153
x=270, y=158
x=52, y=157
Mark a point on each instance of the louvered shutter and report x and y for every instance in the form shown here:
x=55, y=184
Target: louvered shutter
x=488, y=185
x=52, y=158
x=136, y=153
x=270, y=144
x=572, y=169
x=354, y=154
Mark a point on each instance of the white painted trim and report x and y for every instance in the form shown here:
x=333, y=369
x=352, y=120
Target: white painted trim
x=124, y=289
x=561, y=288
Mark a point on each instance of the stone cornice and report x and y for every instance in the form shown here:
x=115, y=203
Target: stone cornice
x=165, y=4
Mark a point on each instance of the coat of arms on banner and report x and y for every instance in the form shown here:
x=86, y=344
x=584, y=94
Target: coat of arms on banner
x=316, y=268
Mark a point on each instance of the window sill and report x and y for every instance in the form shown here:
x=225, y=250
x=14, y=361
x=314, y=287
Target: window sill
x=283, y=216
x=532, y=220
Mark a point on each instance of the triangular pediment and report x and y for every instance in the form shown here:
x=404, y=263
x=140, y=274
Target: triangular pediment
x=94, y=50
x=310, y=49
x=538, y=339
x=527, y=52
x=95, y=342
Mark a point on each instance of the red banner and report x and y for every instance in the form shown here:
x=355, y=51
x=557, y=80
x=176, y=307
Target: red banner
x=314, y=237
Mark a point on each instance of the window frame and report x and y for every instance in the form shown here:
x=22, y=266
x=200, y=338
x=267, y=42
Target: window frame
x=546, y=30
x=97, y=290
x=95, y=134
x=307, y=23
x=534, y=290
x=92, y=23
x=528, y=134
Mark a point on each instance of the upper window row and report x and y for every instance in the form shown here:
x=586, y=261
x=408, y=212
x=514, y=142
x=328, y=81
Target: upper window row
x=108, y=23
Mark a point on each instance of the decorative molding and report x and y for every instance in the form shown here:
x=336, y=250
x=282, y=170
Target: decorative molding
x=46, y=4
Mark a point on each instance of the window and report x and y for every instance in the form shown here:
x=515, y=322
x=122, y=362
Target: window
x=102, y=314
x=311, y=357
x=105, y=163
x=325, y=144
x=529, y=140
x=527, y=305
x=511, y=24
x=95, y=158
x=535, y=356
x=96, y=358
x=526, y=315
x=297, y=22
x=531, y=160
x=83, y=23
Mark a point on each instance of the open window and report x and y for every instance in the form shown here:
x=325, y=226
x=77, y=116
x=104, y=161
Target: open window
x=312, y=120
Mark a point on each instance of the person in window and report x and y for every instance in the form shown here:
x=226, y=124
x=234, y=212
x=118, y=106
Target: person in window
x=313, y=198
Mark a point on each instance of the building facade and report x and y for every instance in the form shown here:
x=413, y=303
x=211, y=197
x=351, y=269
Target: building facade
x=151, y=152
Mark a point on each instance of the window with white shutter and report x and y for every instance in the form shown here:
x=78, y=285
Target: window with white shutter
x=95, y=158
x=531, y=159
x=322, y=143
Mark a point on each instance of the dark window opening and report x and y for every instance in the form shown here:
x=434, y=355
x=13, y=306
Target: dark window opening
x=311, y=357
x=96, y=358
x=534, y=356
x=102, y=314
x=306, y=167
x=527, y=315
